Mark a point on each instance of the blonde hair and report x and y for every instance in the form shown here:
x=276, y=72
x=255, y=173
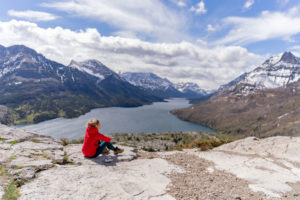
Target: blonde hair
x=93, y=122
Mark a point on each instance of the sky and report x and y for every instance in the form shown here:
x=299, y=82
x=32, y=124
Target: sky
x=209, y=42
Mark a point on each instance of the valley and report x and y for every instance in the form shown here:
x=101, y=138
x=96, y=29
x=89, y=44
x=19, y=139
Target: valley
x=35, y=89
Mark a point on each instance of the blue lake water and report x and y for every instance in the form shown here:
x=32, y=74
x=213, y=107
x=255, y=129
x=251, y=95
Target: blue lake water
x=154, y=118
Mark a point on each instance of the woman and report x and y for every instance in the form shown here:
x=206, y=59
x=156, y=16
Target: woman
x=95, y=143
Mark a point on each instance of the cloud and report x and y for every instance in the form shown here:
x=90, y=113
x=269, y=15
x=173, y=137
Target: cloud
x=248, y=4
x=181, y=4
x=181, y=61
x=210, y=28
x=199, y=9
x=146, y=18
x=32, y=15
x=268, y=25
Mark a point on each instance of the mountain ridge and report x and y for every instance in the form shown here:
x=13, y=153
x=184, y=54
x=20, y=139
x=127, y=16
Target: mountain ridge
x=36, y=88
x=247, y=106
x=277, y=71
x=156, y=85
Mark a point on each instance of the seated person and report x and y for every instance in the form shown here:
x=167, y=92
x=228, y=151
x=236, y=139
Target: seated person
x=95, y=143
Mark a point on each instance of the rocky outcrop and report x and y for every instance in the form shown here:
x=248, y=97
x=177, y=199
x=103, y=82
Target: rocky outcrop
x=250, y=168
x=58, y=172
x=270, y=165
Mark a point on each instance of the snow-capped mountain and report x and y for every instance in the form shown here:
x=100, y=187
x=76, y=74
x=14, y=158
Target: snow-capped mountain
x=161, y=86
x=147, y=80
x=190, y=88
x=277, y=71
x=94, y=68
x=37, y=89
x=20, y=64
x=152, y=84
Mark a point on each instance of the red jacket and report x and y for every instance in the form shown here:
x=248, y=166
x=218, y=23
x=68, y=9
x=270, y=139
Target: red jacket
x=91, y=139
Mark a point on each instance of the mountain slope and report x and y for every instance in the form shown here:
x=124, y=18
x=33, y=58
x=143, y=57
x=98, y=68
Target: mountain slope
x=190, y=89
x=252, y=106
x=162, y=87
x=38, y=89
x=275, y=72
x=152, y=84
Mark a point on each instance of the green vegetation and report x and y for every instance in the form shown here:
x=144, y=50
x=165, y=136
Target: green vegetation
x=13, y=142
x=13, y=157
x=11, y=192
x=173, y=141
x=44, y=155
x=35, y=141
x=65, y=159
x=65, y=141
x=166, y=141
x=2, y=170
x=51, y=106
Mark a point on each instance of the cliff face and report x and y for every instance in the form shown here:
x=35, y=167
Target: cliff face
x=34, y=166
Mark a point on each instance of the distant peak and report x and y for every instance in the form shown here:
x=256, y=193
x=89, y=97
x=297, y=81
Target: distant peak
x=72, y=62
x=21, y=48
x=289, y=58
x=93, y=61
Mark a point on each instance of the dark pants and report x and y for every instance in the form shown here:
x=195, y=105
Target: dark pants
x=102, y=146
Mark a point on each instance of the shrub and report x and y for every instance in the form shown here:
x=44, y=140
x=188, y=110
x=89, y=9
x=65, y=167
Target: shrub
x=11, y=192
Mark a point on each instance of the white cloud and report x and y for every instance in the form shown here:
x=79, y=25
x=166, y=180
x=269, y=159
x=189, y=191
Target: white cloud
x=32, y=15
x=181, y=4
x=210, y=28
x=268, y=25
x=199, y=9
x=146, y=18
x=183, y=61
x=201, y=42
x=248, y=4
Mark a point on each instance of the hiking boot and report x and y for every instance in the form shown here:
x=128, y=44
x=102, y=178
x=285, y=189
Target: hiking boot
x=105, y=151
x=118, y=150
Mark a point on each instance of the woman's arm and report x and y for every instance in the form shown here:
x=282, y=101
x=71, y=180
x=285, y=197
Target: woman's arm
x=101, y=137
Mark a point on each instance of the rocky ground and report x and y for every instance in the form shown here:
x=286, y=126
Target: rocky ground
x=43, y=168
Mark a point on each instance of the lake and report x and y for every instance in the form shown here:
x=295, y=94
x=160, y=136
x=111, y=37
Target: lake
x=154, y=118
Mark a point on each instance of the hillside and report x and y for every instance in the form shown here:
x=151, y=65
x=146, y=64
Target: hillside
x=263, y=102
x=35, y=88
x=162, y=87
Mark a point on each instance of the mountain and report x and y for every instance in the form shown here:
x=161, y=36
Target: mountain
x=162, y=87
x=190, y=89
x=277, y=71
x=152, y=84
x=94, y=68
x=37, y=89
x=262, y=102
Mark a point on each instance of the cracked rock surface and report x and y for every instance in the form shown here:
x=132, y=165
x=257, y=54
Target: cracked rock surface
x=250, y=168
x=104, y=177
x=270, y=165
